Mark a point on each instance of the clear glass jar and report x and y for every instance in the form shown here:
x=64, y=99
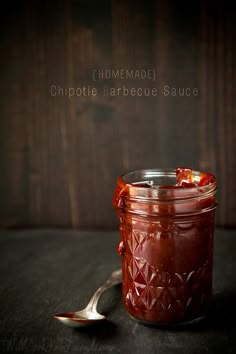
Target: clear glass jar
x=166, y=245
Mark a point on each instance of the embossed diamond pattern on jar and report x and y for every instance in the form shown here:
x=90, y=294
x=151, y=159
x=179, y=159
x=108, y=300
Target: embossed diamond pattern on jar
x=141, y=271
x=149, y=297
x=166, y=230
x=151, y=288
x=136, y=239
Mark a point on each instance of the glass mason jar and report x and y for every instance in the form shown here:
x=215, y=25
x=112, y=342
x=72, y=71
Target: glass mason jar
x=166, y=245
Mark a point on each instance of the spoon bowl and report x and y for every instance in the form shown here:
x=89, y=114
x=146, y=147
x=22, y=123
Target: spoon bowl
x=89, y=315
x=80, y=318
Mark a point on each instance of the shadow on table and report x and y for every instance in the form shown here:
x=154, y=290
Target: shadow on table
x=222, y=314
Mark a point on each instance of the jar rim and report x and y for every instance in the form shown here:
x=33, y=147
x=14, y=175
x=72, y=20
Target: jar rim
x=157, y=192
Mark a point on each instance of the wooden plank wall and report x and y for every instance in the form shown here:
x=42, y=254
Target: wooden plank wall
x=60, y=157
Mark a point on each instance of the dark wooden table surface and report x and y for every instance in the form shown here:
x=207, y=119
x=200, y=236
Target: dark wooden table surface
x=49, y=271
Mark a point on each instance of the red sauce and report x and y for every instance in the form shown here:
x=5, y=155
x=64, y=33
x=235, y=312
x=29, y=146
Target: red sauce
x=166, y=250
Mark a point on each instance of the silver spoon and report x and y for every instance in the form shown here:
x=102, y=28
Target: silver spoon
x=89, y=315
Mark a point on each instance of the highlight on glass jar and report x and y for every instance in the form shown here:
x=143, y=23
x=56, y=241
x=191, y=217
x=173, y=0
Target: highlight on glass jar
x=166, y=244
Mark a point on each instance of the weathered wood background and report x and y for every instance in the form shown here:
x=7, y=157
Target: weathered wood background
x=60, y=157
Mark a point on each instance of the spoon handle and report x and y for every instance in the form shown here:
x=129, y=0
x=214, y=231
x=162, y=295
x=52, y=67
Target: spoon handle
x=115, y=278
